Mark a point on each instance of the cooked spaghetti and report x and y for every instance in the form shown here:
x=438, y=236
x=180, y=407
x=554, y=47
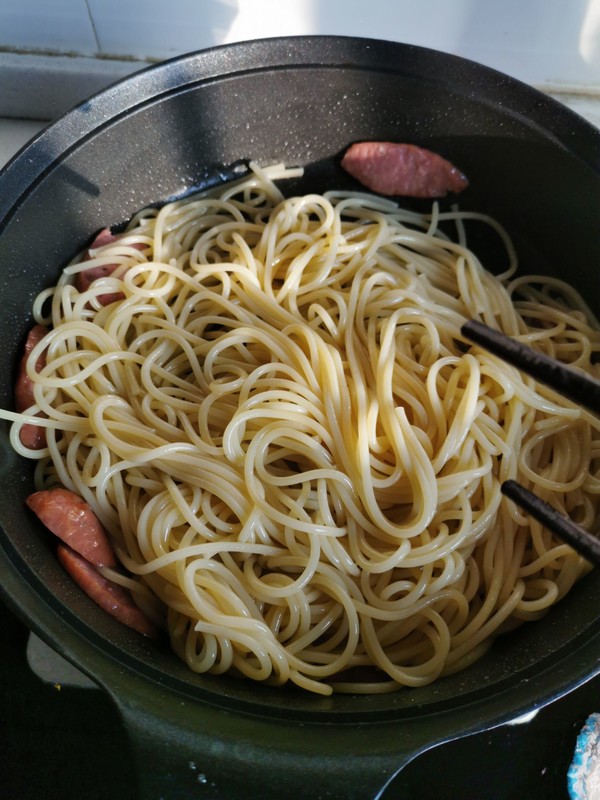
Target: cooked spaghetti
x=296, y=455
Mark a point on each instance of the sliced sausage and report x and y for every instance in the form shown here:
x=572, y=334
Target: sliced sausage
x=103, y=237
x=32, y=436
x=70, y=518
x=110, y=596
x=391, y=168
x=24, y=385
x=84, y=279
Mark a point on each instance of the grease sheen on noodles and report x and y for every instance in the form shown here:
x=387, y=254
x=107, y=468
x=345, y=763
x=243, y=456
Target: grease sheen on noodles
x=297, y=457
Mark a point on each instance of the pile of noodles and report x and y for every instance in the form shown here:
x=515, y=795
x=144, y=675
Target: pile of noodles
x=297, y=456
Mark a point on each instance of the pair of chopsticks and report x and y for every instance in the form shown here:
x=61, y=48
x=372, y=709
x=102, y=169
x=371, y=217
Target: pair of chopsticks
x=575, y=386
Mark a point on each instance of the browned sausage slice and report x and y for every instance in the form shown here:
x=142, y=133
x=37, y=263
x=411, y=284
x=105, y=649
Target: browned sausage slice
x=84, y=279
x=111, y=597
x=70, y=518
x=24, y=385
x=392, y=168
x=32, y=436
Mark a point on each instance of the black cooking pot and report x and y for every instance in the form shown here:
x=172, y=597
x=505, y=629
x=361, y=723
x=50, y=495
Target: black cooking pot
x=533, y=164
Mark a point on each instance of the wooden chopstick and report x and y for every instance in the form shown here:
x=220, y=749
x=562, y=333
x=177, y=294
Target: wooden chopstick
x=572, y=384
x=584, y=542
x=575, y=386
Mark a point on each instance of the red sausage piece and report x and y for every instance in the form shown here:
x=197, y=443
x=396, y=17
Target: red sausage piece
x=24, y=385
x=70, y=518
x=111, y=597
x=32, y=436
x=402, y=169
x=84, y=279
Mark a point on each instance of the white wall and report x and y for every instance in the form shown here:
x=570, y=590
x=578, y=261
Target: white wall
x=552, y=43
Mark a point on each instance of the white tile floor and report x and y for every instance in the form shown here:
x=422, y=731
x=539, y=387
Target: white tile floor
x=538, y=41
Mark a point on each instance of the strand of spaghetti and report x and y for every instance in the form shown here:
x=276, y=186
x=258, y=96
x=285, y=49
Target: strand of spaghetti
x=202, y=551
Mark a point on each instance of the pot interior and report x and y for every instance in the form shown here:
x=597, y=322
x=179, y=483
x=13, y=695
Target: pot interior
x=531, y=164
